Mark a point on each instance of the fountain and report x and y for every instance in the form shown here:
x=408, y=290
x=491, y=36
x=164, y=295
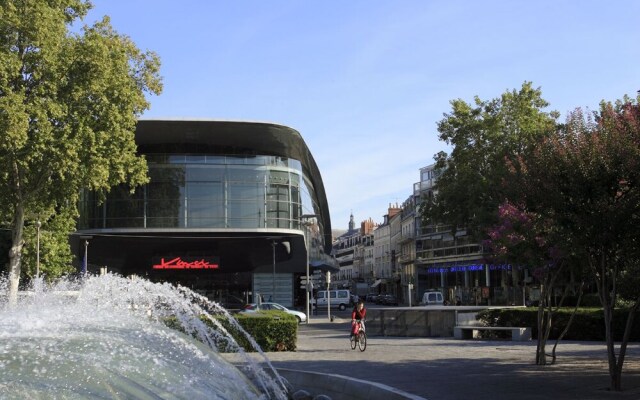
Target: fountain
x=107, y=337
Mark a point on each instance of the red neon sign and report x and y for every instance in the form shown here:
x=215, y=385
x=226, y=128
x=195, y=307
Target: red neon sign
x=178, y=263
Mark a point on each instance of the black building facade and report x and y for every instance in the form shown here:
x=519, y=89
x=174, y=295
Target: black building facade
x=230, y=211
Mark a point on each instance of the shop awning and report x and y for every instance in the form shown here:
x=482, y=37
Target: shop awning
x=376, y=283
x=322, y=266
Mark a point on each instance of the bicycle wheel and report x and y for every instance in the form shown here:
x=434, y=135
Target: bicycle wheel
x=362, y=341
x=354, y=341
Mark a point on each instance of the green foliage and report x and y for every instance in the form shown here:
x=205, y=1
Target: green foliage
x=272, y=330
x=55, y=255
x=629, y=280
x=590, y=300
x=575, y=186
x=484, y=136
x=68, y=109
x=588, y=324
x=587, y=179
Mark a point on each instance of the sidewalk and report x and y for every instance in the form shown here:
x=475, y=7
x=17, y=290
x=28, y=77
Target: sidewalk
x=450, y=369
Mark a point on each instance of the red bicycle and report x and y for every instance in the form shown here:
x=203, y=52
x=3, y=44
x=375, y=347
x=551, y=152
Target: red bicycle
x=360, y=338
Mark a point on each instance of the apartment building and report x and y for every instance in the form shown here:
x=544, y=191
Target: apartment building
x=454, y=263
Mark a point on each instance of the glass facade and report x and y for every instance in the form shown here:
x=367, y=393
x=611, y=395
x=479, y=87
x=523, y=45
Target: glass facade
x=231, y=209
x=207, y=191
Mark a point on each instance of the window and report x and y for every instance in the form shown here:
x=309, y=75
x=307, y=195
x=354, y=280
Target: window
x=203, y=190
x=205, y=204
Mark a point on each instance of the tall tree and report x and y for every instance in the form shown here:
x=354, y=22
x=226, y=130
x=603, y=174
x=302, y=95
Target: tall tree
x=46, y=250
x=483, y=135
x=588, y=179
x=527, y=238
x=68, y=109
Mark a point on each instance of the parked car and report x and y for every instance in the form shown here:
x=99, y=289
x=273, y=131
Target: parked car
x=340, y=299
x=232, y=303
x=255, y=307
x=432, y=298
x=389, y=300
x=371, y=297
x=380, y=298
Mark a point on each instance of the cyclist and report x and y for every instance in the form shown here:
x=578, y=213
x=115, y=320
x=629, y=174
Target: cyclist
x=357, y=316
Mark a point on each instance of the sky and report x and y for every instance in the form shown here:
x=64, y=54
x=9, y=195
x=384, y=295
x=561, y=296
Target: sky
x=365, y=82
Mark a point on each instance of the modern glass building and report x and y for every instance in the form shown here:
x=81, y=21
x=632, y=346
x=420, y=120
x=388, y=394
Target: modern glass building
x=230, y=210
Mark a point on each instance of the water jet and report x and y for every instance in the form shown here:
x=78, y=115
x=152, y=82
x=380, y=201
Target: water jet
x=106, y=337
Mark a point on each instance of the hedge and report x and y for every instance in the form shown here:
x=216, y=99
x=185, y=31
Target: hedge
x=588, y=323
x=272, y=330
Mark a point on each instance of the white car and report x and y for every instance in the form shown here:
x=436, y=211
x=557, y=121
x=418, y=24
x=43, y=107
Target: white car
x=432, y=298
x=254, y=307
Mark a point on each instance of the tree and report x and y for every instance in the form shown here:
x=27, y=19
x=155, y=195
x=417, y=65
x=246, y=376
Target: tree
x=68, y=109
x=55, y=254
x=587, y=178
x=527, y=238
x=470, y=186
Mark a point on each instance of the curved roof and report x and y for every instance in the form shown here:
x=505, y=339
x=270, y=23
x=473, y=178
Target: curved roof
x=233, y=137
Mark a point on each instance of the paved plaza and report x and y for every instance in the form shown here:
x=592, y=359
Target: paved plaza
x=450, y=369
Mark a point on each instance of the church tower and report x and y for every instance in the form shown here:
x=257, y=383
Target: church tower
x=352, y=224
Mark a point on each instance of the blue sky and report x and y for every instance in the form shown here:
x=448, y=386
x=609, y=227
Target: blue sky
x=365, y=82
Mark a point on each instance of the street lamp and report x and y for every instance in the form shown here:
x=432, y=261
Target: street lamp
x=85, y=262
x=309, y=287
x=38, y=225
x=273, y=277
x=286, y=246
x=86, y=258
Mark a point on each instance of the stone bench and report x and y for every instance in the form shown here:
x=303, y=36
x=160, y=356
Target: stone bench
x=472, y=331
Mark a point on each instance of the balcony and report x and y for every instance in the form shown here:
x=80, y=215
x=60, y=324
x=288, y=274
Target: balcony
x=407, y=237
x=425, y=231
x=421, y=187
x=460, y=253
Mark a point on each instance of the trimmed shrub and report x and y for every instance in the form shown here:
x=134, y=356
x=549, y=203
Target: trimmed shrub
x=590, y=300
x=588, y=323
x=272, y=330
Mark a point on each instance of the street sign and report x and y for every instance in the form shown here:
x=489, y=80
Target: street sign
x=308, y=285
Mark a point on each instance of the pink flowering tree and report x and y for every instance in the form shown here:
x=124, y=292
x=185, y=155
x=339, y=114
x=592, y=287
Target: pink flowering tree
x=586, y=179
x=525, y=238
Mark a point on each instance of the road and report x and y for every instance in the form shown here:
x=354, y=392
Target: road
x=449, y=369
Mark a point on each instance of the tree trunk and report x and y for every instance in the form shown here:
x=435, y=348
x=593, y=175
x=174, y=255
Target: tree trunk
x=617, y=383
x=15, y=255
x=545, y=318
x=541, y=343
x=606, y=283
x=566, y=328
x=546, y=312
x=614, y=374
